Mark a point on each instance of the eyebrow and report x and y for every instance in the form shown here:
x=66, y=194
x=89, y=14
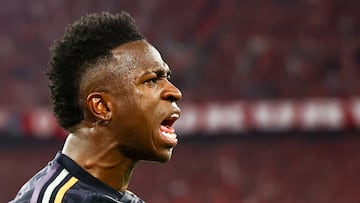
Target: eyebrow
x=159, y=72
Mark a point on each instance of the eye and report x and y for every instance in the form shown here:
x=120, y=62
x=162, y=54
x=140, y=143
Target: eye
x=151, y=81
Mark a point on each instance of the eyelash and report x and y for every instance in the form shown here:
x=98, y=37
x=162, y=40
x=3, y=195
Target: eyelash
x=156, y=79
x=153, y=80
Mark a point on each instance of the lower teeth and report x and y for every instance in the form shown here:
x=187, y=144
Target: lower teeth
x=168, y=134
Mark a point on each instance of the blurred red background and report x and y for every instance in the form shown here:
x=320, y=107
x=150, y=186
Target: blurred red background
x=262, y=55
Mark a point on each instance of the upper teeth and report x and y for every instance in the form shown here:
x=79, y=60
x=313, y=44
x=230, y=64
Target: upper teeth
x=175, y=115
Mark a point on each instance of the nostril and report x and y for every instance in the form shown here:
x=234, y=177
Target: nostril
x=172, y=99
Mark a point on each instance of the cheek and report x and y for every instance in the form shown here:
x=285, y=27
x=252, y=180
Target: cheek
x=145, y=104
x=137, y=112
x=133, y=121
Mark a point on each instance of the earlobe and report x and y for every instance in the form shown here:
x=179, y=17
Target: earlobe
x=100, y=106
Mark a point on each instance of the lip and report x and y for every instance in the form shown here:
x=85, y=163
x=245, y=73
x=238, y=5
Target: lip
x=166, y=132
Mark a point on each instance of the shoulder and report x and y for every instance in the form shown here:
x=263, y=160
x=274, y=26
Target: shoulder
x=64, y=181
x=27, y=190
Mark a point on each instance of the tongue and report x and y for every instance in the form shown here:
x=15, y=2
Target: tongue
x=167, y=129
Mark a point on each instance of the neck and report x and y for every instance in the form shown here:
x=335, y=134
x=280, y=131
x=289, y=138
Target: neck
x=101, y=158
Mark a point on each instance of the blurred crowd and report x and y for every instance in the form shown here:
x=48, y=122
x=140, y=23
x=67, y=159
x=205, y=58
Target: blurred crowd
x=218, y=49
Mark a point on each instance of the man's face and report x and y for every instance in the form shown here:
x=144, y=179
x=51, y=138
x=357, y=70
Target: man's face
x=144, y=107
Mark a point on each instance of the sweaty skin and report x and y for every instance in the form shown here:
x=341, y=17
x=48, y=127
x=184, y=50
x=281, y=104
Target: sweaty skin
x=130, y=108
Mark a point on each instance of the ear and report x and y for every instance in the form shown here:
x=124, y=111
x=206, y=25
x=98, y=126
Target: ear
x=100, y=106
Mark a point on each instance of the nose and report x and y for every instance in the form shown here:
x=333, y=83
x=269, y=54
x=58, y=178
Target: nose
x=170, y=92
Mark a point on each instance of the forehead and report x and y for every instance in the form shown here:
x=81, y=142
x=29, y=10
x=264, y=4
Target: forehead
x=132, y=60
x=139, y=55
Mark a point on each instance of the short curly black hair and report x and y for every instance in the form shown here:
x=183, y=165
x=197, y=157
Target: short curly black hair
x=85, y=41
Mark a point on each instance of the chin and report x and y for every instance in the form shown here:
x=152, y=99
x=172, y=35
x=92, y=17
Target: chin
x=162, y=157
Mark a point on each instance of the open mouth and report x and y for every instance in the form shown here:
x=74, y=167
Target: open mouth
x=168, y=132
